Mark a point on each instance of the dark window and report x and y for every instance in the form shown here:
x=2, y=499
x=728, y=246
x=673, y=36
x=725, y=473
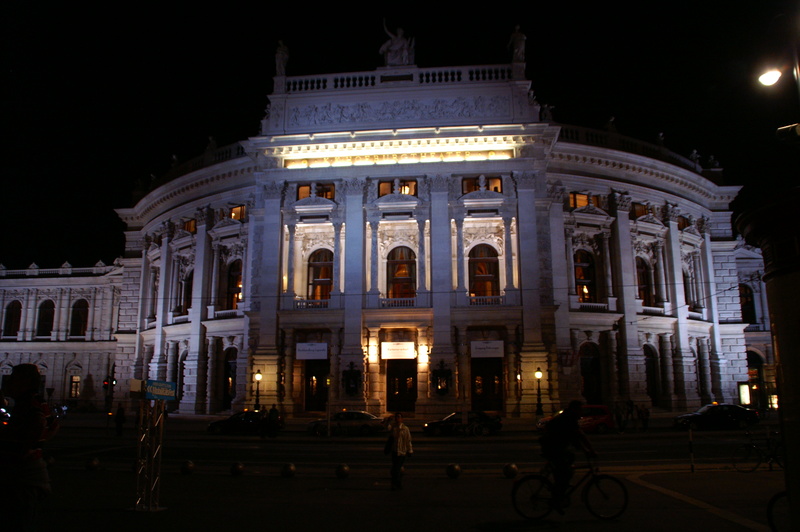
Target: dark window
x=79, y=320
x=320, y=274
x=643, y=276
x=44, y=323
x=12, y=319
x=233, y=292
x=748, y=303
x=585, y=280
x=484, y=278
x=186, y=288
x=401, y=273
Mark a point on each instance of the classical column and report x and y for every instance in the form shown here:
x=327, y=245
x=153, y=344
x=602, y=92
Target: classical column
x=212, y=376
x=337, y=259
x=172, y=360
x=613, y=368
x=373, y=257
x=704, y=363
x=289, y=357
x=607, y=265
x=667, y=369
x=422, y=259
x=290, y=288
x=460, y=262
x=214, y=278
x=374, y=383
x=570, y=253
x=508, y=252
x=698, y=281
x=661, y=281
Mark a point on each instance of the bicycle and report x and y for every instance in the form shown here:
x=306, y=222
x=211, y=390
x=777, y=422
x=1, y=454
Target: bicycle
x=748, y=456
x=603, y=495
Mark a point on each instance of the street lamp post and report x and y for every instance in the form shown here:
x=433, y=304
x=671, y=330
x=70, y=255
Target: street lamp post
x=538, y=375
x=258, y=376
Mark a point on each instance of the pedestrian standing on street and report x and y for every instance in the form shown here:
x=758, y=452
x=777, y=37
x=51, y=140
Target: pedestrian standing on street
x=24, y=480
x=119, y=419
x=398, y=446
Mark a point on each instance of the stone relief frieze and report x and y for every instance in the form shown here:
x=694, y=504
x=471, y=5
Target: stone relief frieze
x=313, y=239
x=398, y=111
x=492, y=234
x=396, y=235
x=582, y=240
x=232, y=252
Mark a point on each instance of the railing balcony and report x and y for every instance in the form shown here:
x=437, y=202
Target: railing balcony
x=226, y=314
x=653, y=311
x=398, y=302
x=486, y=301
x=593, y=307
x=303, y=304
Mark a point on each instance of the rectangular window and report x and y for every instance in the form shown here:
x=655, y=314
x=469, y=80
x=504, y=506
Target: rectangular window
x=408, y=187
x=74, y=386
x=238, y=212
x=638, y=210
x=473, y=184
x=321, y=190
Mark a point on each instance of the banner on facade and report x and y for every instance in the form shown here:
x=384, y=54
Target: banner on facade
x=398, y=350
x=487, y=349
x=311, y=351
x=160, y=390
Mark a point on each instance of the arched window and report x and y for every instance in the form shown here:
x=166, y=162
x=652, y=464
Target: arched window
x=320, y=274
x=747, y=301
x=401, y=273
x=233, y=290
x=12, y=319
x=44, y=323
x=585, y=280
x=644, y=282
x=79, y=319
x=186, y=292
x=484, y=279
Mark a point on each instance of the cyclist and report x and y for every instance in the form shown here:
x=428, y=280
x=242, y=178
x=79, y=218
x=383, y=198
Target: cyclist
x=561, y=433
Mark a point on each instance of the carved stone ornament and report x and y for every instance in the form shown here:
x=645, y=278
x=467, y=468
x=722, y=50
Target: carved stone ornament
x=396, y=235
x=272, y=190
x=622, y=201
x=525, y=180
x=491, y=234
x=556, y=191
x=353, y=186
x=439, y=183
x=398, y=111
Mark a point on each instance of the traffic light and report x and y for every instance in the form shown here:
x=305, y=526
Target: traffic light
x=105, y=383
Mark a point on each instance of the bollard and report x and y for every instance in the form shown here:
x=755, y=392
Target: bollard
x=510, y=470
x=187, y=468
x=342, y=471
x=288, y=470
x=453, y=470
x=237, y=468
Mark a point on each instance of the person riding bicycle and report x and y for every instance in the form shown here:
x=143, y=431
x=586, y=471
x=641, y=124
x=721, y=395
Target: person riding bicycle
x=561, y=433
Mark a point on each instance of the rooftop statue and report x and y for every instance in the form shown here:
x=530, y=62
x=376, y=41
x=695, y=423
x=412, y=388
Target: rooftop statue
x=281, y=58
x=517, y=45
x=399, y=49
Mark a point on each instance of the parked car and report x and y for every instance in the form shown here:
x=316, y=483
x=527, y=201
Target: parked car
x=594, y=418
x=477, y=423
x=348, y=422
x=253, y=422
x=718, y=416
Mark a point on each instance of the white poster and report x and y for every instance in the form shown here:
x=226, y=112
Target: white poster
x=398, y=350
x=311, y=351
x=487, y=349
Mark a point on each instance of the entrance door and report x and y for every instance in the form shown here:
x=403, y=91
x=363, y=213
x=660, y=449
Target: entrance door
x=591, y=377
x=316, y=384
x=487, y=384
x=401, y=385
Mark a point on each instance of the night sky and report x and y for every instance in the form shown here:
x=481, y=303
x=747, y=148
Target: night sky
x=95, y=100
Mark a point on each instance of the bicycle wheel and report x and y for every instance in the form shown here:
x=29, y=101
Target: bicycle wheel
x=531, y=496
x=746, y=458
x=778, y=512
x=605, y=496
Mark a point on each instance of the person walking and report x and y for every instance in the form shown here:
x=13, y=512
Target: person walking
x=398, y=446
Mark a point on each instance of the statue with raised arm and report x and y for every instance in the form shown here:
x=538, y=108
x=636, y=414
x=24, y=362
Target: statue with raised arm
x=517, y=45
x=281, y=58
x=398, y=50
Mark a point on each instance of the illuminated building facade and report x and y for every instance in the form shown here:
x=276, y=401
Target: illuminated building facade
x=422, y=240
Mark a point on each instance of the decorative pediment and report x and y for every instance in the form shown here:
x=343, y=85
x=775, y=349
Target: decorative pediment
x=650, y=219
x=590, y=209
x=226, y=222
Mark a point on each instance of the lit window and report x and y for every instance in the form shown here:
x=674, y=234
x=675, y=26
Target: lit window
x=401, y=273
x=638, y=210
x=474, y=184
x=484, y=278
x=320, y=190
x=585, y=277
x=683, y=222
x=190, y=226
x=238, y=212
x=399, y=186
x=74, y=386
x=233, y=293
x=320, y=274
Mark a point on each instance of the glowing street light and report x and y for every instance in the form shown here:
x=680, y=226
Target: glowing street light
x=770, y=77
x=538, y=374
x=258, y=376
